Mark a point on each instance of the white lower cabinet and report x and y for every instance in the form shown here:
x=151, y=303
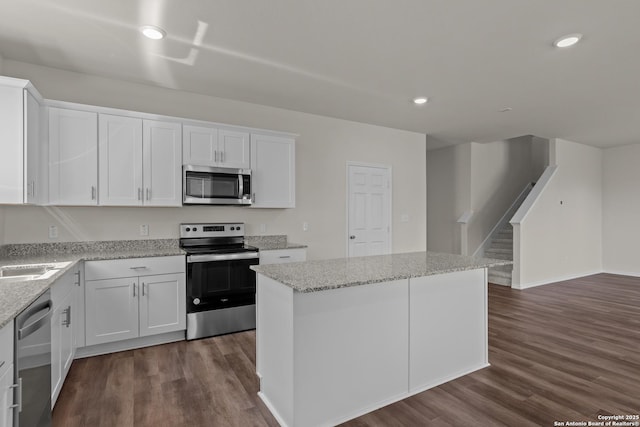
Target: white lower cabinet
x=148, y=303
x=64, y=326
x=6, y=375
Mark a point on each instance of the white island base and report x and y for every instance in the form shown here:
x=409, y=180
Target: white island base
x=328, y=356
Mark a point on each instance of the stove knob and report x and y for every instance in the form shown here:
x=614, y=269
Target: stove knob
x=233, y=228
x=188, y=229
x=195, y=228
x=196, y=301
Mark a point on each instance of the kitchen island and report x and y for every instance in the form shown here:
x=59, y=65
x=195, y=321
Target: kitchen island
x=339, y=338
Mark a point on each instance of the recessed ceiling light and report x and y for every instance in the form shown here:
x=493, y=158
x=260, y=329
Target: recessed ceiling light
x=153, y=32
x=420, y=100
x=568, y=40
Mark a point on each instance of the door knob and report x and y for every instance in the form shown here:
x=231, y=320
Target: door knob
x=352, y=237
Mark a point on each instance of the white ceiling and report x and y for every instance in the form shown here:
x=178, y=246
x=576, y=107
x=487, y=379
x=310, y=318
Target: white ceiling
x=364, y=60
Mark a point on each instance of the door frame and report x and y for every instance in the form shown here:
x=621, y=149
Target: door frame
x=389, y=205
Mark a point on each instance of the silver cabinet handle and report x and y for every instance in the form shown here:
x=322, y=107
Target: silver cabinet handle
x=215, y=154
x=140, y=267
x=134, y=289
x=77, y=273
x=143, y=288
x=285, y=256
x=93, y=192
x=352, y=237
x=67, y=321
x=148, y=194
x=222, y=157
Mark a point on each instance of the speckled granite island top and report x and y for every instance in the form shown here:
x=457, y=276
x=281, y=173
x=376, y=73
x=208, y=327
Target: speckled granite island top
x=312, y=276
x=16, y=295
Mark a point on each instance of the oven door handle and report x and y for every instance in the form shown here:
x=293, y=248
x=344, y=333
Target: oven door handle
x=222, y=257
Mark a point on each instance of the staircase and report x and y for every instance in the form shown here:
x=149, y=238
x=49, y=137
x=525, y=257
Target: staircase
x=501, y=248
x=502, y=244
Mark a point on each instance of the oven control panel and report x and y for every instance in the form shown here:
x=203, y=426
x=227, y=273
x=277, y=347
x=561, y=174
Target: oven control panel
x=231, y=229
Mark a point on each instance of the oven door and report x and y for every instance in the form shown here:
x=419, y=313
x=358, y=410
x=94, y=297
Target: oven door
x=208, y=185
x=220, y=281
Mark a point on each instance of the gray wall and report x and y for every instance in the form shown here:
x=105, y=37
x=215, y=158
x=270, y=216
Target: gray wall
x=322, y=151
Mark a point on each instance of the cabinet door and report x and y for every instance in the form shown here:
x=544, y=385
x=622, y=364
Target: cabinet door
x=6, y=396
x=162, y=167
x=32, y=190
x=11, y=145
x=273, y=171
x=111, y=310
x=73, y=157
x=162, y=304
x=120, y=141
x=199, y=145
x=233, y=148
x=62, y=337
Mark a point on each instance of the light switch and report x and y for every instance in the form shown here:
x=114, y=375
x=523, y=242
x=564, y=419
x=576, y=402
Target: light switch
x=53, y=232
x=305, y=226
x=144, y=229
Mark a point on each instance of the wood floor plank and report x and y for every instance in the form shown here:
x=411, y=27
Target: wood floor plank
x=562, y=352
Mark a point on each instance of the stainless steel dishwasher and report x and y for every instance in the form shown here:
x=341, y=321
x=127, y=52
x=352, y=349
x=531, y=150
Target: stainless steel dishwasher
x=32, y=395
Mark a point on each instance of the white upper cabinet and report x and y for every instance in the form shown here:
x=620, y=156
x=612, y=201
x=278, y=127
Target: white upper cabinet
x=199, y=145
x=208, y=146
x=20, y=121
x=73, y=157
x=162, y=163
x=273, y=171
x=120, y=160
x=140, y=162
x=234, y=147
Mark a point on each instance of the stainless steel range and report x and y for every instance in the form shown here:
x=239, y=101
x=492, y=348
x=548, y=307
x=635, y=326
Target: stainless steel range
x=221, y=288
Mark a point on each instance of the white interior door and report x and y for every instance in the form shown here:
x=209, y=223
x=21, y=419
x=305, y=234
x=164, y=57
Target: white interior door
x=369, y=210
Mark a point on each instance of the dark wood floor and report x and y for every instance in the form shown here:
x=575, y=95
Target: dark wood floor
x=562, y=352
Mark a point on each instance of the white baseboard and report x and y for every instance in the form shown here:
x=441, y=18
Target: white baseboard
x=623, y=273
x=112, y=347
x=272, y=409
x=555, y=280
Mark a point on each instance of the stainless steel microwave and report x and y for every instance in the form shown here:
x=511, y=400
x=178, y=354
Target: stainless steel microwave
x=204, y=185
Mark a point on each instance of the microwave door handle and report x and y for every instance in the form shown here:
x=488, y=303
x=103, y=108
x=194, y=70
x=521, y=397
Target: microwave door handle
x=240, y=186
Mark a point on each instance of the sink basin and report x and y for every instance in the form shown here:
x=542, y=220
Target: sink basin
x=30, y=271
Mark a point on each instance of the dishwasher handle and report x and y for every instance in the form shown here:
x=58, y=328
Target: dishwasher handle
x=27, y=329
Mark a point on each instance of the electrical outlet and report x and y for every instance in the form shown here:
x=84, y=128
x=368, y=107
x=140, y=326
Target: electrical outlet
x=144, y=229
x=305, y=226
x=53, y=232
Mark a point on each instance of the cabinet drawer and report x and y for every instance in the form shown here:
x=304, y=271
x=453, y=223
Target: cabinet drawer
x=282, y=256
x=6, y=346
x=133, y=267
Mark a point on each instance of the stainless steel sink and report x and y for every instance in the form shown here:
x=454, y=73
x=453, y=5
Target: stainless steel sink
x=25, y=272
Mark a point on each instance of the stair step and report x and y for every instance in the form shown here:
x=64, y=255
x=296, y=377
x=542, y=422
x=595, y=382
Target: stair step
x=500, y=245
x=508, y=250
x=507, y=268
x=500, y=273
x=496, y=280
x=499, y=255
x=508, y=241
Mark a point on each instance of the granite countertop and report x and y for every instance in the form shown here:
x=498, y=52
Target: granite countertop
x=271, y=243
x=311, y=276
x=16, y=295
